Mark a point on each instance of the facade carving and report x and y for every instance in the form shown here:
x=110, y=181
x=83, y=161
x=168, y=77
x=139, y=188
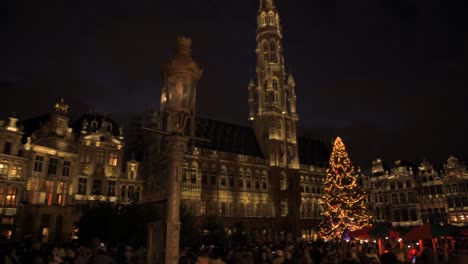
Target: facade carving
x=409, y=195
x=51, y=169
x=247, y=174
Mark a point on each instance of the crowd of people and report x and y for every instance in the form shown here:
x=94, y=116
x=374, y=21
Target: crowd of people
x=320, y=252
x=95, y=252
x=331, y=252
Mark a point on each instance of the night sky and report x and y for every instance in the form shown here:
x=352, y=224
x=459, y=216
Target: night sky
x=390, y=77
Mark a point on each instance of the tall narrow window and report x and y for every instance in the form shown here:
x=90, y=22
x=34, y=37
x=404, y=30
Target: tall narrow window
x=100, y=157
x=231, y=178
x=52, y=166
x=283, y=182
x=38, y=163
x=7, y=149
x=193, y=174
x=2, y=194
x=131, y=192
x=248, y=179
x=123, y=192
x=137, y=194
x=257, y=180
x=185, y=175
x=35, y=191
x=241, y=178
x=264, y=180
x=275, y=85
x=50, y=190
x=274, y=57
x=61, y=192
x=265, y=47
x=213, y=175
x=284, y=208
x=204, y=176
x=16, y=171
x=66, y=168
x=4, y=169
x=94, y=125
x=223, y=176
x=82, y=185
x=97, y=186
x=11, y=197
x=111, y=188
x=113, y=159
x=203, y=208
x=86, y=156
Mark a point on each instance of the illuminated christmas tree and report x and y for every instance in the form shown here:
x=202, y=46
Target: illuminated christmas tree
x=343, y=201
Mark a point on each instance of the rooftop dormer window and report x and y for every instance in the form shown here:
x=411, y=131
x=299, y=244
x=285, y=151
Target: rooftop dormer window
x=94, y=125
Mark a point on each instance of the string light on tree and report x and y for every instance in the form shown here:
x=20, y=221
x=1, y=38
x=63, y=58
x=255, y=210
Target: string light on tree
x=343, y=201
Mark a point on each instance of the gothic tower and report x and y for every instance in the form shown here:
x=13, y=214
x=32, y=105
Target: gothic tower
x=272, y=101
x=272, y=111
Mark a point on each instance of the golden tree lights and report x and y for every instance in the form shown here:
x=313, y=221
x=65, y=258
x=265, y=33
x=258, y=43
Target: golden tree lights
x=343, y=201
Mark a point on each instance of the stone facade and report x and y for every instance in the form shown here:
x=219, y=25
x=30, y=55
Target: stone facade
x=409, y=195
x=263, y=175
x=52, y=169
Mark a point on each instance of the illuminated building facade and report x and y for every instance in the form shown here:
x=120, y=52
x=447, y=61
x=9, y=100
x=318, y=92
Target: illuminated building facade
x=391, y=194
x=263, y=175
x=407, y=195
x=53, y=169
x=456, y=187
x=432, y=198
x=13, y=166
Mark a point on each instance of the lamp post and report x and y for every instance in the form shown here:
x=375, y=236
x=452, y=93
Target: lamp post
x=181, y=74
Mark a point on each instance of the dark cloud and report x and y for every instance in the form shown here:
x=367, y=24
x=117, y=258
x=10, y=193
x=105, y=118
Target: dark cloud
x=389, y=76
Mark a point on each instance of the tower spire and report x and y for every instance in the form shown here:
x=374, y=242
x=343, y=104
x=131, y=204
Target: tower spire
x=272, y=101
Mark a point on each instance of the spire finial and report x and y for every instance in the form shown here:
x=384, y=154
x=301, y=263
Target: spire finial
x=61, y=107
x=184, y=45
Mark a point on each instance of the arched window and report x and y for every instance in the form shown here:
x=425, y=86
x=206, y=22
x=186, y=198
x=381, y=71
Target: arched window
x=94, y=125
x=223, y=175
x=275, y=85
x=193, y=173
x=272, y=46
x=241, y=178
x=231, y=178
x=213, y=175
x=283, y=181
x=204, y=175
x=265, y=46
x=264, y=180
x=257, y=179
x=271, y=18
x=263, y=19
x=248, y=179
x=185, y=172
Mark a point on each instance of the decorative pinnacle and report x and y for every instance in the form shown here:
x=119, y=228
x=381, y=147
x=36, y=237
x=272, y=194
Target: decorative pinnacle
x=61, y=107
x=291, y=79
x=184, y=45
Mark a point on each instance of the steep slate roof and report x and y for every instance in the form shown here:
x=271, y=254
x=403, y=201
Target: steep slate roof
x=239, y=139
x=226, y=137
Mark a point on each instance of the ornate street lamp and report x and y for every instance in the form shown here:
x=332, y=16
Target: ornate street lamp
x=181, y=74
